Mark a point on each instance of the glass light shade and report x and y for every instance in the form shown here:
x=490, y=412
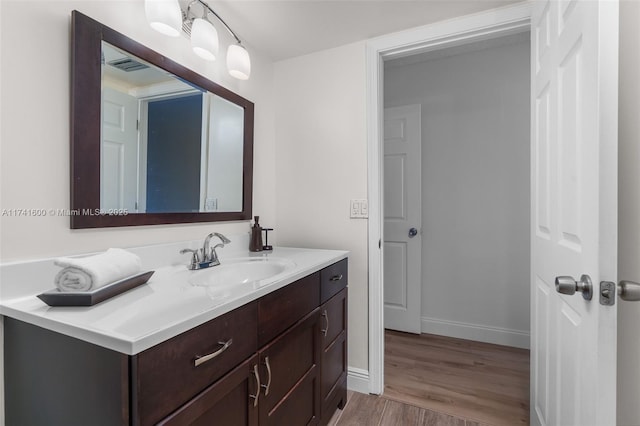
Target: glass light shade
x=164, y=16
x=238, y=62
x=204, y=39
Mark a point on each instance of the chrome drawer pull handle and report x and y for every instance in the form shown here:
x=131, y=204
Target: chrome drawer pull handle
x=326, y=317
x=266, y=387
x=202, y=359
x=336, y=278
x=257, y=395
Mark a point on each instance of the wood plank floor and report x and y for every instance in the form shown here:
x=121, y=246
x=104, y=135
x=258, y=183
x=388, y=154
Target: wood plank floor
x=435, y=380
x=373, y=410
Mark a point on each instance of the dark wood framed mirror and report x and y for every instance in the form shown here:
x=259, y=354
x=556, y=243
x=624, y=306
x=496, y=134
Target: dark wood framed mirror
x=172, y=172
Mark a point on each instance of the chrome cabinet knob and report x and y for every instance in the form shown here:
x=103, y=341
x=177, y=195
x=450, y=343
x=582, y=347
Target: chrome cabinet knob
x=567, y=285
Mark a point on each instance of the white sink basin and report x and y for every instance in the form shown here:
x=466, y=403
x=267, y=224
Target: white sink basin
x=232, y=272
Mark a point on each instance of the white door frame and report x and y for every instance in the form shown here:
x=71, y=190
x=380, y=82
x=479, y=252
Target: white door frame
x=466, y=29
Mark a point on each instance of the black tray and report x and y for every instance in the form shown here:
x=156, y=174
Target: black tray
x=56, y=297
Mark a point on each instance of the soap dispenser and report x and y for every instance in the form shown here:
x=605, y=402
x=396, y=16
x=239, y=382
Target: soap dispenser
x=255, y=243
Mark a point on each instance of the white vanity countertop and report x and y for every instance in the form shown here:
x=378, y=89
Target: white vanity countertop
x=166, y=306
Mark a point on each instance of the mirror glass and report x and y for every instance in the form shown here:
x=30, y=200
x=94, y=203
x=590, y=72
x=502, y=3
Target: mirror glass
x=167, y=145
x=152, y=142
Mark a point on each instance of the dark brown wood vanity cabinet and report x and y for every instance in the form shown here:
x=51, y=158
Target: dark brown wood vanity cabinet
x=279, y=360
x=333, y=330
x=298, y=376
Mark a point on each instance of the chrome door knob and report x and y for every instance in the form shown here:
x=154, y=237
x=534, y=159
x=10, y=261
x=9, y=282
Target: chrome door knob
x=413, y=232
x=629, y=291
x=567, y=285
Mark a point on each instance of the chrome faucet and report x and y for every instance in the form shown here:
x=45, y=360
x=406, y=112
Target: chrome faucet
x=206, y=257
x=212, y=256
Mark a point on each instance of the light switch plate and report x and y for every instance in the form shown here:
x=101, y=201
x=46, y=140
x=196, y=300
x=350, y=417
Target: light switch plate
x=359, y=209
x=210, y=204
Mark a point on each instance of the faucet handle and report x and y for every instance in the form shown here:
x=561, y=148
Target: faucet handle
x=195, y=258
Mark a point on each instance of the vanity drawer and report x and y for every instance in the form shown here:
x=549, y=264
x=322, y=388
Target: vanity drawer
x=333, y=278
x=281, y=309
x=165, y=376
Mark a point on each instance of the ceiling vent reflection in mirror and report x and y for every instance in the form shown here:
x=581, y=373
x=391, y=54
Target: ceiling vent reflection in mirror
x=166, y=17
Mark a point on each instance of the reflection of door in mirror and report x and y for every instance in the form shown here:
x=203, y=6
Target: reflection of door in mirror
x=119, y=150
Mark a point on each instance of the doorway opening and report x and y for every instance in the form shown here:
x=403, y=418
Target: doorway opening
x=456, y=228
x=500, y=22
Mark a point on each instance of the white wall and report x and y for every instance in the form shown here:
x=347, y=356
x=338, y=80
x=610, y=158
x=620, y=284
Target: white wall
x=321, y=164
x=35, y=77
x=475, y=189
x=629, y=213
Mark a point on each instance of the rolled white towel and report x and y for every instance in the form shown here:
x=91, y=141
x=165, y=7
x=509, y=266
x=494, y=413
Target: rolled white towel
x=92, y=272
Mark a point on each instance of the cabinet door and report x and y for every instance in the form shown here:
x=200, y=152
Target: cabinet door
x=231, y=401
x=333, y=382
x=290, y=374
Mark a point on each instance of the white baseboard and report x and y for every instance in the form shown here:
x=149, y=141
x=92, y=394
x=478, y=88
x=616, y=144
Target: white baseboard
x=481, y=333
x=358, y=380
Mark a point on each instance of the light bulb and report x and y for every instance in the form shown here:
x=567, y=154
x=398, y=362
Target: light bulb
x=238, y=62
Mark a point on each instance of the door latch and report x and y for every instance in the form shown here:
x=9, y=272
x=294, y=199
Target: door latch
x=627, y=290
x=607, y=293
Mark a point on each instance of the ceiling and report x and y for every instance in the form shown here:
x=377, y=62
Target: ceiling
x=282, y=29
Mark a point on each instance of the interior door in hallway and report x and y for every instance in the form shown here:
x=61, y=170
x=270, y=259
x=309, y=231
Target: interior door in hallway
x=574, y=67
x=402, y=250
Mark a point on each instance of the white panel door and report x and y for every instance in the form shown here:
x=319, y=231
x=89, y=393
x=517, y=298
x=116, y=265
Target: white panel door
x=574, y=68
x=402, y=218
x=119, y=151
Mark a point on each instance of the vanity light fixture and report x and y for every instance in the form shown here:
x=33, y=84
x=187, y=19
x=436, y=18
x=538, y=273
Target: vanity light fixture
x=204, y=39
x=238, y=62
x=162, y=17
